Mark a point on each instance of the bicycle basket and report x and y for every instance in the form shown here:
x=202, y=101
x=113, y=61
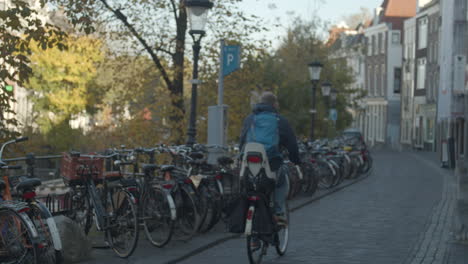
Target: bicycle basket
x=69, y=168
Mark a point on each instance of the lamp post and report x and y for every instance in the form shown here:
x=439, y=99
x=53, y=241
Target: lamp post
x=333, y=96
x=326, y=90
x=315, y=68
x=197, y=12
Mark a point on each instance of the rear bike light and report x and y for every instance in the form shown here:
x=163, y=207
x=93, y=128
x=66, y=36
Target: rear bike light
x=167, y=186
x=254, y=159
x=29, y=195
x=23, y=210
x=188, y=181
x=219, y=177
x=250, y=215
x=254, y=198
x=132, y=189
x=313, y=160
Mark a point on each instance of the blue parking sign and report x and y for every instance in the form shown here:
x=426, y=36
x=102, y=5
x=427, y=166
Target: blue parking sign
x=231, y=59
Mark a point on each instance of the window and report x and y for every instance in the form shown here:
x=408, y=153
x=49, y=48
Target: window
x=397, y=80
x=422, y=33
x=396, y=37
x=374, y=51
x=380, y=43
x=382, y=69
x=382, y=50
x=369, y=46
x=376, y=80
x=421, y=79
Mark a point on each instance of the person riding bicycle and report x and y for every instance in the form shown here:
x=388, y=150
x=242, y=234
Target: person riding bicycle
x=265, y=116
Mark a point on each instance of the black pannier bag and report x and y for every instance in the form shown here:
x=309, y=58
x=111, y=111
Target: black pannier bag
x=263, y=220
x=236, y=213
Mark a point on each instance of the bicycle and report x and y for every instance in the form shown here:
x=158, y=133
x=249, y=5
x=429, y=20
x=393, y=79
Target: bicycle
x=22, y=189
x=156, y=210
x=261, y=227
x=19, y=239
x=109, y=203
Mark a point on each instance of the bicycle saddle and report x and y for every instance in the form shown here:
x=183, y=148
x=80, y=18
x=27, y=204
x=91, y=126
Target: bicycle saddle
x=165, y=168
x=27, y=184
x=149, y=167
x=75, y=154
x=196, y=155
x=225, y=160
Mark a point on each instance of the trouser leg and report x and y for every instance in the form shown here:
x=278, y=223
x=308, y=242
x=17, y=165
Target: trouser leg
x=281, y=190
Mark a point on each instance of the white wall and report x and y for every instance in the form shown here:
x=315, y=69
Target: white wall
x=444, y=101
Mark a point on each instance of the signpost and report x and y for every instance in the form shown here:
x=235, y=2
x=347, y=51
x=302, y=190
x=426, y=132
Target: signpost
x=229, y=61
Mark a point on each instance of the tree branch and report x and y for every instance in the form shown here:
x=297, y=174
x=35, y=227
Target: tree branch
x=143, y=42
x=174, y=10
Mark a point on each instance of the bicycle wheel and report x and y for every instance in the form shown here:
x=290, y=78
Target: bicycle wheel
x=122, y=230
x=17, y=243
x=157, y=223
x=80, y=209
x=256, y=249
x=215, y=211
x=282, y=235
x=187, y=214
x=205, y=209
x=46, y=228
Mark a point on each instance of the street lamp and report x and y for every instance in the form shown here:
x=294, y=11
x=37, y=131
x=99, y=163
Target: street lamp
x=333, y=95
x=326, y=89
x=315, y=68
x=197, y=13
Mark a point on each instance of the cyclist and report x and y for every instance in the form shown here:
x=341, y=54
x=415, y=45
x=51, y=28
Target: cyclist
x=277, y=133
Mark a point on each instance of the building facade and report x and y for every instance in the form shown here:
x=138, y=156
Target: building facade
x=383, y=74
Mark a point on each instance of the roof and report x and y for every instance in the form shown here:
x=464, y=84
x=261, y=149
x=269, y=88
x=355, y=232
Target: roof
x=399, y=8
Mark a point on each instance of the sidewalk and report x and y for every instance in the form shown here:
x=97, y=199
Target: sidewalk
x=437, y=243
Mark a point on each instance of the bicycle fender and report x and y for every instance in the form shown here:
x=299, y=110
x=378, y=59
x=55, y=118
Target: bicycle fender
x=248, y=222
x=30, y=225
x=220, y=187
x=52, y=226
x=172, y=206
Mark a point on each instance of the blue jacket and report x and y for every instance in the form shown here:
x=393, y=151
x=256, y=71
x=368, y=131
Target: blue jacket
x=287, y=136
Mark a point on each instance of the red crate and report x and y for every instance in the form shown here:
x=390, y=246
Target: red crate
x=70, y=165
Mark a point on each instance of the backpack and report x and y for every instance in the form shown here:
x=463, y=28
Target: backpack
x=265, y=130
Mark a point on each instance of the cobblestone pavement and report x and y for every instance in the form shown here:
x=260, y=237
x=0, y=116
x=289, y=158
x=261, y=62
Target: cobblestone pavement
x=397, y=215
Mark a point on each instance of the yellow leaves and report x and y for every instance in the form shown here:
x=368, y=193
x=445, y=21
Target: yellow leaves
x=62, y=78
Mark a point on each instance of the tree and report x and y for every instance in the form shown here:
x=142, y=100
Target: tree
x=62, y=79
x=159, y=28
x=362, y=16
x=20, y=25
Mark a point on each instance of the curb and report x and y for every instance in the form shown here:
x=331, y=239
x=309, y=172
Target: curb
x=297, y=207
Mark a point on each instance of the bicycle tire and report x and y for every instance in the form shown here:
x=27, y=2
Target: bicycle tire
x=205, y=207
x=156, y=202
x=282, y=248
x=18, y=222
x=188, y=218
x=261, y=249
x=81, y=210
x=47, y=254
x=123, y=204
x=216, y=207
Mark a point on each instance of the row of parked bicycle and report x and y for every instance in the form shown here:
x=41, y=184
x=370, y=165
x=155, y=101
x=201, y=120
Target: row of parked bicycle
x=124, y=191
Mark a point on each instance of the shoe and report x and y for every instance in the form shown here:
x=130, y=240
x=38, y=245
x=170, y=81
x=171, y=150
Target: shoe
x=280, y=220
x=255, y=244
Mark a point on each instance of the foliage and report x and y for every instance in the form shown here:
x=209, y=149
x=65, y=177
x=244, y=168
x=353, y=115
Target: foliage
x=20, y=25
x=62, y=79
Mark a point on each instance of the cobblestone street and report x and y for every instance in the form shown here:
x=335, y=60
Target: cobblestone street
x=387, y=218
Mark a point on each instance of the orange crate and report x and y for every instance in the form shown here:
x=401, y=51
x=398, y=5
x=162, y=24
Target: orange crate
x=69, y=168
